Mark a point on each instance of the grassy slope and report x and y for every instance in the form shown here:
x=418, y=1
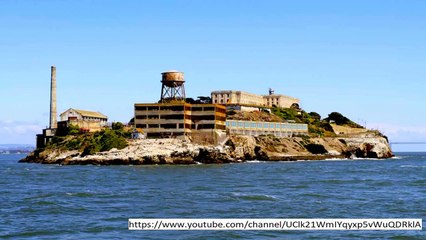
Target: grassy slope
x=90, y=143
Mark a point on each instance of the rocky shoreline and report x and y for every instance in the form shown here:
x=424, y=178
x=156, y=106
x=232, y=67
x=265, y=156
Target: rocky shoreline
x=236, y=149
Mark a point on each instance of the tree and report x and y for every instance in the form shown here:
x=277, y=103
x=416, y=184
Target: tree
x=117, y=126
x=339, y=119
x=295, y=106
x=315, y=115
x=204, y=99
x=189, y=100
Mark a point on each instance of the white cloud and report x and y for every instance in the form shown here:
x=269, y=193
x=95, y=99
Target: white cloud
x=401, y=133
x=19, y=131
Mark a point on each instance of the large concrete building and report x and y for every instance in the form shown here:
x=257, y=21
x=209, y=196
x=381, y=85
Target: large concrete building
x=236, y=97
x=178, y=119
x=161, y=119
x=208, y=116
x=250, y=101
x=280, y=100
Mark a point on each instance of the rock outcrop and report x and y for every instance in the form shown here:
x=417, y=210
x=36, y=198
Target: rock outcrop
x=236, y=149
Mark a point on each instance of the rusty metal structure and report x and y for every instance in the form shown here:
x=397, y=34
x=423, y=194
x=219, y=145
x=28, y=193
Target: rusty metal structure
x=173, y=87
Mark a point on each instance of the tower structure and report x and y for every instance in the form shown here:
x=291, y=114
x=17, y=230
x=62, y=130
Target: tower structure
x=53, y=123
x=173, y=86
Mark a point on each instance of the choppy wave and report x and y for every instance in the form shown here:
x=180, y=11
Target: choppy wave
x=255, y=161
x=254, y=197
x=84, y=202
x=413, y=166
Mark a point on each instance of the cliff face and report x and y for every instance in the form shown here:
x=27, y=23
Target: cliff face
x=236, y=149
x=297, y=148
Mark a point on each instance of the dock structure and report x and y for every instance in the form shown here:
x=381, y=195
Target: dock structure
x=277, y=129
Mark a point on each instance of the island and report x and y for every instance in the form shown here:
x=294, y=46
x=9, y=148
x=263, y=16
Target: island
x=227, y=127
x=115, y=146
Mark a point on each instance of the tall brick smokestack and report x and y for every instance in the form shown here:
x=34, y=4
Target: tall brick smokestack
x=53, y=121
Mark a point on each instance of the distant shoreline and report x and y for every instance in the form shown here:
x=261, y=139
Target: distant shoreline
x=16, y=148
x=15, y=152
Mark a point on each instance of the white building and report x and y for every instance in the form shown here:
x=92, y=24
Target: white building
x=86, y=120
x=280, y=100
x=76, y=114
x=236, y=97
x=230, y=97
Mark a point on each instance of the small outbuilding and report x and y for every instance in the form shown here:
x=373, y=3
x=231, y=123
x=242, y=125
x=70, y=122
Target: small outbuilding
x=89, y=121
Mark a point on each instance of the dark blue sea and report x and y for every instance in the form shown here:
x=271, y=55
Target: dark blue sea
x=95, y=202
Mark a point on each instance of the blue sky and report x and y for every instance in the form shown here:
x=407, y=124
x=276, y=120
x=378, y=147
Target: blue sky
x=365, y=59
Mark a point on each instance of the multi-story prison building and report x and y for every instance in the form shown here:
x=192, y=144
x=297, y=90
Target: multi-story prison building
x=230, y=97
x=178, y=119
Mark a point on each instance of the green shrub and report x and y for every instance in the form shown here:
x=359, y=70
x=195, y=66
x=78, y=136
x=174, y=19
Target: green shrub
x=91, y=143
x=117, y=126
x=57, y=139
x=314, y=129
x=285, y=113
x=73, y=144
x=111, y=139
x=73, y=129
x=90, y=146
x=326, y=126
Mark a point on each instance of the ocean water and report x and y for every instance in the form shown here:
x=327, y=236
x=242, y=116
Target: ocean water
x=95, y=202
